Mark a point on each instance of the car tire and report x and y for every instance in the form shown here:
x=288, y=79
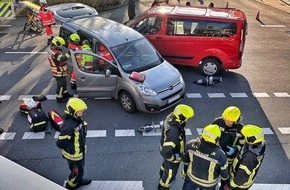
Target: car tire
x=210, y=66
x=127, y=102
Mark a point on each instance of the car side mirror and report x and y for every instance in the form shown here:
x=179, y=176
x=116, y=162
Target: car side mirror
x=108, y=73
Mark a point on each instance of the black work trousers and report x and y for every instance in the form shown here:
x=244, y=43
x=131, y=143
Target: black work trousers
x=61, y=88
x=167, y=174
x=190, y=185
x=76, y=172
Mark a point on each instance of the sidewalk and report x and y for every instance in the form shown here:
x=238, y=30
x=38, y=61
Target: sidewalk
x=283, y=5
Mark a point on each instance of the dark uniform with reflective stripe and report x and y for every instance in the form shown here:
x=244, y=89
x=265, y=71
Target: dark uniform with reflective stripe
x=72, y=142
x=246, y=165
x=58, y=65
x=230, y=136
x=204, y=163
x=171, y=146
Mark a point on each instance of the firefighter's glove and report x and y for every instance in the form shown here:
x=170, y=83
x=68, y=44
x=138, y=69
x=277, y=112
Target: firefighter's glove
x=231, y=150
x=182, y=174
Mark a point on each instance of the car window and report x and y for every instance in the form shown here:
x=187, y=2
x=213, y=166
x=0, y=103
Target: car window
x=189, y=27
x=138, y=55
x=64, y=33
x=149, y=25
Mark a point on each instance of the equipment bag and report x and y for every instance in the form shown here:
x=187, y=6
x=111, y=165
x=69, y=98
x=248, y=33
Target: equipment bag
x=37, y=120
x=55, y=119
x=29, y=104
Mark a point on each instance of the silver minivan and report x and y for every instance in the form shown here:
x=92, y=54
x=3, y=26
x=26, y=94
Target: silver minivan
x=136, y=74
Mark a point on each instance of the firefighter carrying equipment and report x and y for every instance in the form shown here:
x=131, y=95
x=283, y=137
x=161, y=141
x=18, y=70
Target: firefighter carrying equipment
x=211, y=134
x=232, y=113
x=74, y=105
x=32, y=11
x=253, y=134
x=183, y=112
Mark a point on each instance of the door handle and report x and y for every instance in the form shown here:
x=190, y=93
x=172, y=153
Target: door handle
x=158, y=38
x=82, y=78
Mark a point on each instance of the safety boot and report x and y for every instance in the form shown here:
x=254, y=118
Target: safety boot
x=67, y=186
x=67, y=95
x=84, y=182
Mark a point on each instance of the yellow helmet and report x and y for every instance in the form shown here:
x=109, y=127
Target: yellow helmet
x=74, y=105
x=232, y=113
x=183, y=112
x=58, y=41
x=211, y=133
x=75, y=38
x=86, y=47
x=253, y=134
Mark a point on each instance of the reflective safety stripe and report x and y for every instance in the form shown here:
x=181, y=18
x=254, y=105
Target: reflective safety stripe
x=37, y=124
x=203, y=156
x=73, y=157
x=169, y=144
x=64, y=137
x=166, y=183
x=245, y=169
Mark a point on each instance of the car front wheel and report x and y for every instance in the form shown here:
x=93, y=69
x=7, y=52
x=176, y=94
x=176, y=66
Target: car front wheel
x=127, y=102
x=210, y=66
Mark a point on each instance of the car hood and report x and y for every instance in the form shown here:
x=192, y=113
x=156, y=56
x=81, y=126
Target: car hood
x=162, y=77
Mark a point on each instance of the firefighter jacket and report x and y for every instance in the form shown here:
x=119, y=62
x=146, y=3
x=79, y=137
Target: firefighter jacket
x=105, y=54
x=246, y=165
x=46, y=16
x=72, y=138
x=57, y=61
x=172, y=140
x=87, y=60
x=230, y=136
x=205, y=162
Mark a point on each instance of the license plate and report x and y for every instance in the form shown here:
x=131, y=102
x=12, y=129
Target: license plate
x=173, y=98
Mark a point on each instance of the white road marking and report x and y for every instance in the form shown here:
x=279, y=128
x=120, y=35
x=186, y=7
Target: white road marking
x=125, y=133
x=5, y=25
x=7, y=136
x=193, y=95
x=260, y=95
x=284, y=130
x=51, y=97
x=157, y=132
x=259, y=186
x=32, y=135
x=281, y=94
x=239, y=95
x=113, y=185
x=5, y=97
x=216, y=95
x=25, y=97
x=96, y=133
x=272, y=26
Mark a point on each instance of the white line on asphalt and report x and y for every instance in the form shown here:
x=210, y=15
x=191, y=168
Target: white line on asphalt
x=260, y=95
x=32, y=135
x=284, y=130
x=281, y=94
x=216, y=95
x=50, y=97
x=24, y=52
x=114, y=185
x=239, y=95
x=7, y=136
x=193, y=95
x=259, y=186
x=5, y=25
x=96, y=133
x=267, y=131
x=25, y=97
x=272, y=26
x=125, y=133
x=158, y=132
x=5, y=97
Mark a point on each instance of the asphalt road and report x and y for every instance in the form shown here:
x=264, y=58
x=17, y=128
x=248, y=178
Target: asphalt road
x=116, y=151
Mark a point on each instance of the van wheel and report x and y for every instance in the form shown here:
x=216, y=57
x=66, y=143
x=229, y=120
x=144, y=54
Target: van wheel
x=210, y=66
x=127, y=102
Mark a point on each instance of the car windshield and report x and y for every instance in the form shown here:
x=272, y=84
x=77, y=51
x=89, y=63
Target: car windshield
x=138, y=55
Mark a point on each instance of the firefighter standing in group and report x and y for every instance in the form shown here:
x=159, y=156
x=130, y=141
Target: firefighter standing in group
x=172, y=143
x=74, y=44
x=47, y=18
x=204, y=161
x=246, y=165
x=58, y=65
x=72, y=142
x=231, y=140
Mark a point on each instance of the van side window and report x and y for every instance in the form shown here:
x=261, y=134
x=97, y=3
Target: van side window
x=64, y=33
x=188, y=27
x=149, y=25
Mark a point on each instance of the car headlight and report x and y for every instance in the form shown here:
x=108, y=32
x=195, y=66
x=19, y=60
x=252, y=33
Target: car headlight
x=146, y=90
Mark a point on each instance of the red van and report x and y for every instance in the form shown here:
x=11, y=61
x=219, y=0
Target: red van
x=211, y=39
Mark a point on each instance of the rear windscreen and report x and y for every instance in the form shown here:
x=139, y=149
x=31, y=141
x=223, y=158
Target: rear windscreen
x=74, y=12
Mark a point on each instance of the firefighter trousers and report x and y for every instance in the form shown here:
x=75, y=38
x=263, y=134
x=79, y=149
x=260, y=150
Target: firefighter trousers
x=76, y=172
x=190, y=185
x=167, y=174
x=61, y=88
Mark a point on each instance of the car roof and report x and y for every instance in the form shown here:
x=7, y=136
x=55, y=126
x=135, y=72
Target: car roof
x=72, y=11
x=226, y=13
x=111, y=32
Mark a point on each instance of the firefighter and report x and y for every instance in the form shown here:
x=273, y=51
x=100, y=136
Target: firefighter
x=104, y=52
x=58, y=65
x=246, y=165
x=204, y=161
x=172, y=143
x=87, y=60
x=72, y=142
x=74, y=44
x=47, y=18
x=231, y=139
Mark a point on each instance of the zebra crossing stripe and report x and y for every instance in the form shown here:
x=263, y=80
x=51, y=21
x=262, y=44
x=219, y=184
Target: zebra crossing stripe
x=32, y=135
x=158, y=132
x=259, y=186
x=96, y=133
x=193, y=95
x=266, y=130
x=260, y=95
x=281, y=94
x=7, y=136
x=5, y=97
x=239, y=95
x=25, y=97
x=216, y=95
x=125, y=133
x=284, y=130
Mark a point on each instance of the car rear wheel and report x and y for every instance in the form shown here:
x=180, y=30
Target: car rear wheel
x=210, y=66
x=127, y=102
